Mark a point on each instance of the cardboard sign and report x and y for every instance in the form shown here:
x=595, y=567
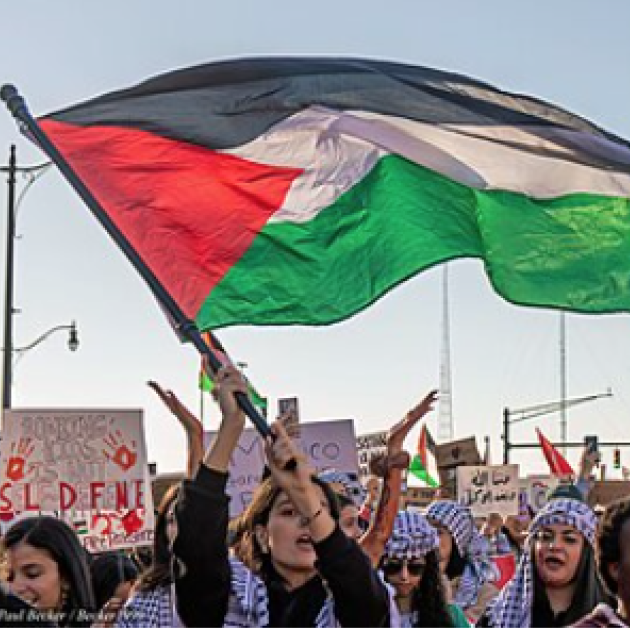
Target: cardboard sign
x=606, y=492
x=450, y=455
x=369, y=446
x=88, y=466
x=489, y=489
x=419, y=498
x=328, y=445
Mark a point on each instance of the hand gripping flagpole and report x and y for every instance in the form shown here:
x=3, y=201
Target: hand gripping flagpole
x=187, y=328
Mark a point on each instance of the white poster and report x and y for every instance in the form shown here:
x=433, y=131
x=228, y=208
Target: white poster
x=89, y=467
x=328, y=445
x=539, y=487
x=488, y=489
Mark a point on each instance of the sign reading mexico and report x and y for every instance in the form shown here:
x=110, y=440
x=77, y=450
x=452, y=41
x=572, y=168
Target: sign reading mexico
x=78, y=462
x=488, y=489
x=328, y=445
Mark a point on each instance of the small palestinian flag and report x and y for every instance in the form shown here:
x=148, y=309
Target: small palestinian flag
x=300, y=190
x=206, y=382
x=423, y=465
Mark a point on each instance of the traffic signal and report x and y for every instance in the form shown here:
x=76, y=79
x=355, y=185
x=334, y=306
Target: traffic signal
x=617, y=458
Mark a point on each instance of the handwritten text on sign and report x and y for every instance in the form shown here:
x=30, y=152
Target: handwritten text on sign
x=91, y=463
x=488, y=489
x=327, y=445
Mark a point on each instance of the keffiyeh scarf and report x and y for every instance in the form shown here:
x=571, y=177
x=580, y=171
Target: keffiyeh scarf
x=513, y=607
x=347, y=483
x=412, y=537
x=471, y=545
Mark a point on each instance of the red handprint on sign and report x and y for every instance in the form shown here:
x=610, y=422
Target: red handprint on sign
x=131, y=522
x=123, y=456
x=17, y=461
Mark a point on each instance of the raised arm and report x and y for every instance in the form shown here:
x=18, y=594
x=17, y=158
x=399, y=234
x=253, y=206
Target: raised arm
x=192, y=426
x=203, y=584
x=390, y=468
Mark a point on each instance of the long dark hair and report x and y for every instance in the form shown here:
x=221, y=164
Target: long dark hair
x=109, y=570
x=160, y=573
x=257, y=513
x=62, y=544
x=456, y=563
x=589, y=592
x=428, y=598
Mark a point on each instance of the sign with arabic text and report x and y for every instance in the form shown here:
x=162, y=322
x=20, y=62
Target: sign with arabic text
x=489, y=489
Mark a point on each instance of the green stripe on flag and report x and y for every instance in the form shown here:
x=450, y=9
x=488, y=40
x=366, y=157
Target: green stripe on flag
x=206, y=384
x=417, y=469
x=572, y=252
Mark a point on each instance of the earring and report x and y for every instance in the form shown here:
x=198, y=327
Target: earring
x=65, y=594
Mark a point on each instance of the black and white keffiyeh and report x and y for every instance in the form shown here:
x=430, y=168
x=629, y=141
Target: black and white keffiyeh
x=513, y=606
x=348, y=483
x=413, y=537
x=471, y=545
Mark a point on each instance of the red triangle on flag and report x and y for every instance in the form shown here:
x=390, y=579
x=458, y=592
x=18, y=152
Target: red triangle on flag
x=557, y=463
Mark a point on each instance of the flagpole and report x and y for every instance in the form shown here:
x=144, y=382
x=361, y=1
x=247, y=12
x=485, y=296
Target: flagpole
x=185, y=327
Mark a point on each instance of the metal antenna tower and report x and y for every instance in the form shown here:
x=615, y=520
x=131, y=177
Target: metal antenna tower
x=446, y=429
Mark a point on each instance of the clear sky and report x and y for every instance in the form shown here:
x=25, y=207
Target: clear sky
x=374, y=366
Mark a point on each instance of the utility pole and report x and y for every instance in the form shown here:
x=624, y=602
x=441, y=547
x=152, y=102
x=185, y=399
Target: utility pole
x=7, y=354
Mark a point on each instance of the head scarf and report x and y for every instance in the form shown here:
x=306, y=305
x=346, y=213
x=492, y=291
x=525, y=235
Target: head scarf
x=348, y=482
x=412, y=537
x=472, y=547
x=513, y=606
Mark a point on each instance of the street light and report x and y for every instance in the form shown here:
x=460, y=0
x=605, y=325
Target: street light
x=32, y=173
x=73, y=338
x=73, y=346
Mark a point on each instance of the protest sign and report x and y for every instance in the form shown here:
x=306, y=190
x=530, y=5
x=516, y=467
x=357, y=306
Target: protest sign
x=605, y=492
x=416, y=497
x=489, y=489
x=369, y=446
x=328, y=445
x=450, y=455
x=289, y=411
x=538, y=488
x=89, y=467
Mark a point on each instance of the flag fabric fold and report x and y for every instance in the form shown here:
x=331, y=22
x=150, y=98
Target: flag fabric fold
x=557, y=463
x=299, y=191
x=423, y=466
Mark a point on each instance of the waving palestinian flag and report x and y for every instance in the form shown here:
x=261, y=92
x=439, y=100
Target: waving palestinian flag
x=283, y=191
x=423, y=465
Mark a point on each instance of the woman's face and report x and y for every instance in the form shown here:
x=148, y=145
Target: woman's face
x=446, y=543
x=34, y=576
x=349, y=522
x=557, y=553
x=517, y=526
x=403, y=575
x=287, y=538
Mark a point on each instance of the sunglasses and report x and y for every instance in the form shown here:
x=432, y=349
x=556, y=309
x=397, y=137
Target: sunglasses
x=394, y=567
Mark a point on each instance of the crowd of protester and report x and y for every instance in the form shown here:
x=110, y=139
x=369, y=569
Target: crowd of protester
x=319, y=550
